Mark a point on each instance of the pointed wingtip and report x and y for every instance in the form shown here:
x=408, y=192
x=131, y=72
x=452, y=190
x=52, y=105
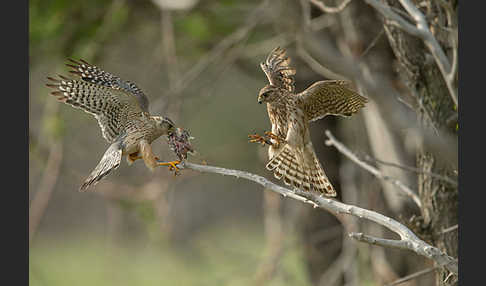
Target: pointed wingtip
x=76, y=72
x=72, y=66
x=73, y=61
x=56, y=93
x=86, y=185
x=53, y=79
x=80, y=62
x=63, y=77
x=84, y=62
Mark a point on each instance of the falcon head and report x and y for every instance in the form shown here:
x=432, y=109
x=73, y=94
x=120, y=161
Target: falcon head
x=165, y=124
x=269, y=93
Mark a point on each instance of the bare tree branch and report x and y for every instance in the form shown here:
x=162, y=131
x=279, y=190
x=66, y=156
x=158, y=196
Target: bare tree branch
x=328, y=9
x=408, y=239
x=403, y=244
x=373, y=43
x=449, y=229
x=215, y=54
x=368, y=158
x=422, y=31
x=315, y=65
x=345, y=151
x=381, y=89
x=412, y=276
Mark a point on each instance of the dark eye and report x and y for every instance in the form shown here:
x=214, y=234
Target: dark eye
x=265, y=94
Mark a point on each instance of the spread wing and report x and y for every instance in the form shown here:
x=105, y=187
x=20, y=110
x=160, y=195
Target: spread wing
x=278, y=71
x=330, y=97
x=95, y=75
x=112, y=107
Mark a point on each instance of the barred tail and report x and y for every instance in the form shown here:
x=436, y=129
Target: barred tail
x=110, y=161
x=307, y=175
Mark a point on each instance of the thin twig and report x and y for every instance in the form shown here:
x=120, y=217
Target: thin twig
x=381, y=89
x=93, y=47
x=449, y=229
x=315, y=65
x=412, y=276
x=421, y=31
x=408, y=239
x=345, y=151
x=215, y=54
x=394, y=243
x=225, y=63
x=455, y=57
x=285, y=39
x=328, y=9
x=373, y=43
x=368, y=158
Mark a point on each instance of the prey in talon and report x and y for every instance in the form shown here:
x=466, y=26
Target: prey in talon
x=122, y=112
x=179, y=143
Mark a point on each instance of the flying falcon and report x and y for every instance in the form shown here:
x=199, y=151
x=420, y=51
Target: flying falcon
x=122, y=111
x=291, y=154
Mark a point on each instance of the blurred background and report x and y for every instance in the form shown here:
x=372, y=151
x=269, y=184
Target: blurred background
x=198, y=63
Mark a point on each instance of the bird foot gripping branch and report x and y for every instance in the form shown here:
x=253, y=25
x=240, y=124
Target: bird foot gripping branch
x=178, y=141
x=172, y=165
x=122, y=111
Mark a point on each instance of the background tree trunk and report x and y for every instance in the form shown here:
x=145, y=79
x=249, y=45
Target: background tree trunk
x=435, y=109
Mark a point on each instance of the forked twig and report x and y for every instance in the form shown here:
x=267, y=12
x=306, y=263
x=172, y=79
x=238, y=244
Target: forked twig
x=345, y=151
x=408, y=240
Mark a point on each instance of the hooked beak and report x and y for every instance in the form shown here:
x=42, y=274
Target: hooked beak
x=260, y=100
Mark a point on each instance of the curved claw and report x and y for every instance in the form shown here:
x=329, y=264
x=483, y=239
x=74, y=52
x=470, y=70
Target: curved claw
x=172, y=165
x=274, y=137
x=255, y=138
x=267, y=139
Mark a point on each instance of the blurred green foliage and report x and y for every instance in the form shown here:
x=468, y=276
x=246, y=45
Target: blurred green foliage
x=226, y=254
x=54, y=126
x=63, y=27
x=196, y=25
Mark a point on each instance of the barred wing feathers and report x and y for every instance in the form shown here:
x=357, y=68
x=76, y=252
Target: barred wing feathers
x=330, y=97
x=278, y=71
x=94, y=74
x=113, y=108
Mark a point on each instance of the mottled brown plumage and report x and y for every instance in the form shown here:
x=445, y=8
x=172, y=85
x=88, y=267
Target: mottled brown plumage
x=121, y=109
x=291, y=154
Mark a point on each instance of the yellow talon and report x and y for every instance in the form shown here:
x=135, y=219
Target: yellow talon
x=255, y=138
x=273, y=136
x=172, y=165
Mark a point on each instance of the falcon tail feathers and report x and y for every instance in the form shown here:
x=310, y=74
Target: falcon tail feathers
x=307, y=176
x=110, y=161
